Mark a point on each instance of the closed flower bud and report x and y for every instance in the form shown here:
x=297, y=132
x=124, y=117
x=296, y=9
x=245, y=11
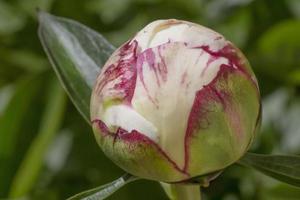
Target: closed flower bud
x=175, y=102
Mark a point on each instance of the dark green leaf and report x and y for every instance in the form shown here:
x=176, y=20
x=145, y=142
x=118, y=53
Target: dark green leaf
x=10, y=124
x=32, y=163
x=281, y=167
x=281, y=192
x=236, y=29
x=77, y=53
x=278, y=50
x=14, y=113
x=16, y=20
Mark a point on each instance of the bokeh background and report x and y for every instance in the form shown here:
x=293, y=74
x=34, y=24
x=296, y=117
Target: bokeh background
x=47, y=151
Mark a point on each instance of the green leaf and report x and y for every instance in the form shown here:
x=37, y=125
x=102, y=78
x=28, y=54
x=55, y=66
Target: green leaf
x=285, y=168
x=236, y=28
x=104, y=191
x=294, y=77
x=10, y=125
x=23, y=59
x=11, y=19
x=77, y=54
x=281, y=192
x=278, y=49
x=14, y=113
x=32, y=163
x=109, y=10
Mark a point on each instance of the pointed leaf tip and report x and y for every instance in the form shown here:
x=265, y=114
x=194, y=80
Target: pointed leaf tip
x=77, y=53
x=41, y=15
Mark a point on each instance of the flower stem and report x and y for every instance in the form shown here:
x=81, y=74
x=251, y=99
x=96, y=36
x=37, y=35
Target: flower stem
x=182, y=191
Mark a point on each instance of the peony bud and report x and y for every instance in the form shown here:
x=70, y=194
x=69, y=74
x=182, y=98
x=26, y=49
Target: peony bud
x=176, y=101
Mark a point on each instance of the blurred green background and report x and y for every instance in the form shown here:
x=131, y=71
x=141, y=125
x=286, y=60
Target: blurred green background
x=47, y=150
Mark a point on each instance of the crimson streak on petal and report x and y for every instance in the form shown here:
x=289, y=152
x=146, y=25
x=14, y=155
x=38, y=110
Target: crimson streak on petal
x=209, y=94
x=123, y=70
x=230, y=53
x=134, y=136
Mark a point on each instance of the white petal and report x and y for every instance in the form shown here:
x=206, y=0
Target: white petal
x=128, y=119
x=163, y=31
x=167, y=103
